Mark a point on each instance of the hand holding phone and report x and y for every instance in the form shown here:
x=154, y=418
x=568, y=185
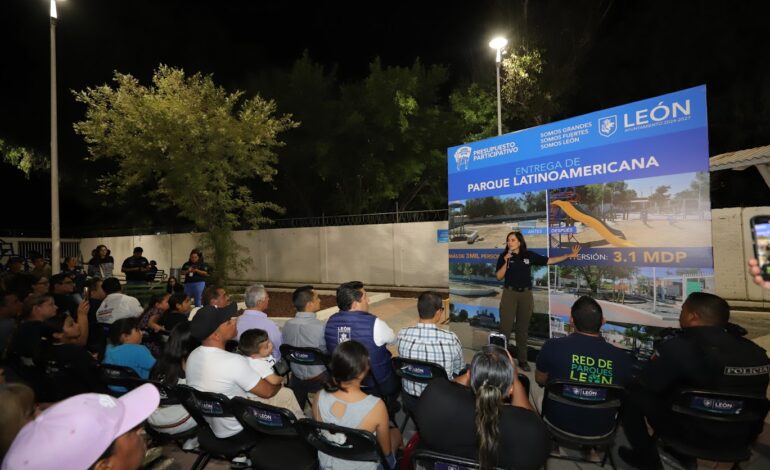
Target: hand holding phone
x=760, y=234
x=86, y=293
x=498, y=339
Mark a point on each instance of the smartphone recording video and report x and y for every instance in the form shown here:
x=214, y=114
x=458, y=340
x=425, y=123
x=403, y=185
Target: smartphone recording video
x=760, y=232
x=498, y=339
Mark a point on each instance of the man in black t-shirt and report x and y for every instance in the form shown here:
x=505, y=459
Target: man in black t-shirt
x=704, y=355
x=583, y=356
x=63, y=288
x=135, y=267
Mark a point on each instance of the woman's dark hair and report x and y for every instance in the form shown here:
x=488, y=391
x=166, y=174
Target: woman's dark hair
x=180, y=344
x=491, y=378
x=95, y=254
x=350, y=359
x=197, y=252
x=176, y=300
x=520, y=237
x=169, y=287
x=51, y=326
x=121, y=327
x=32, y=301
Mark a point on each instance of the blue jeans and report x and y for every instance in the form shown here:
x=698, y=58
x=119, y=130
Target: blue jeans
x=195, y=290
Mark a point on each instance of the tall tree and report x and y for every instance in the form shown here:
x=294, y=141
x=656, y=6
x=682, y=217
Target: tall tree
x=190, y=145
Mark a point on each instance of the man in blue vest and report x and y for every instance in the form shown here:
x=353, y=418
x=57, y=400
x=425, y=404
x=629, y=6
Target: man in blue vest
x=353, y=322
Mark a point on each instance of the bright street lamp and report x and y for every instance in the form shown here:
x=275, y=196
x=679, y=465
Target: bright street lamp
x=55, y=235
x=498, y=44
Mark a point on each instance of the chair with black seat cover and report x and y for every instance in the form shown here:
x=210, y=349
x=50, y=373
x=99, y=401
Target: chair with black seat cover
x=203, y=405
x=305, y=356
x=587, y=396
x=342, y=443
x=280, y=442
x=424, y=459
x=418, y=371
x=734, y=420
x=168, y=398
x=123, y=377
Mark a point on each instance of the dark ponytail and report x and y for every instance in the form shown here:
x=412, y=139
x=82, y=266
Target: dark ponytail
x=349, y=360
x=491, y=378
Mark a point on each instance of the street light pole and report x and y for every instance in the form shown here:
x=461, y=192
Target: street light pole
x=498, y=44
x=55, y=236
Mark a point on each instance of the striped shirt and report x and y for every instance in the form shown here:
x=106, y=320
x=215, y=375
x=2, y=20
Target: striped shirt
x=427, y=342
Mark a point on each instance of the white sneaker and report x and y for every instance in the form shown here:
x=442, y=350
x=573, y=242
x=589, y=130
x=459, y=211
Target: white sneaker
x=190, y=444
x=240, y=462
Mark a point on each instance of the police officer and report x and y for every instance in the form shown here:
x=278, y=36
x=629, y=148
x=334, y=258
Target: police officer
x=705, y=354
x=516, y=304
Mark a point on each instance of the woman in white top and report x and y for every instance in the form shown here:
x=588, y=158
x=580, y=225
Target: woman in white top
x=342, y=402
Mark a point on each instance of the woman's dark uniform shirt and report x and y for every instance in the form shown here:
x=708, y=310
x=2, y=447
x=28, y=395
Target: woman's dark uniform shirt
x=519, y=274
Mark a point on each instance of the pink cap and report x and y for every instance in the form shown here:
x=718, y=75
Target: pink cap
x=73, y=433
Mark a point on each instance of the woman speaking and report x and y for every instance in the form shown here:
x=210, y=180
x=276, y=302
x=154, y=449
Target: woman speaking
x=514, y=265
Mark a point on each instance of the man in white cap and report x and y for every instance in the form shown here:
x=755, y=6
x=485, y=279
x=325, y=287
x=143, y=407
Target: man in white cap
x=86, y=431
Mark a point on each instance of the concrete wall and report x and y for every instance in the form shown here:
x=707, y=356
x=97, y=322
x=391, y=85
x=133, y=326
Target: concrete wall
x=731, y=234
x=403, y=254
x=387, y=254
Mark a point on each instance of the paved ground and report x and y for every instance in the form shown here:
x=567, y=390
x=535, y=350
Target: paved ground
x=400, y=313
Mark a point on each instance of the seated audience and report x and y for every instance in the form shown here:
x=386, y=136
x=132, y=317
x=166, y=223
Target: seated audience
x=307, y=331
x=257, y=300
x=583, y=356
x=62, y=289
x=179, y=306
x=353, y=322
x=40, y=285
x=148, y=323
x=25, y=342
x=170, y=370
x=69, y=365
x=427, y=342
x=101, y=263
x=173, y=286
x=126, y=349
x=212, y=295
x=71, y=269
x=342, y=402
x=474, y=421
x=17, y=408
x=211, y=368
x=39, y=267
x=116, y=305
x=10, y=310
x=257, y=347
x=704, y=355
x=89, y=431
x=94, y=295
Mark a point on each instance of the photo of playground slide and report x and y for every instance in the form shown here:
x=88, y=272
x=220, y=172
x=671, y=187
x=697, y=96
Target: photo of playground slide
x=485, y=222
x=629, y=294
x=666, y=211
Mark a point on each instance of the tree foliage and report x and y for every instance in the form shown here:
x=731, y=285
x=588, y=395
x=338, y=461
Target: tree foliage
x=188, y=144
x=23, y=159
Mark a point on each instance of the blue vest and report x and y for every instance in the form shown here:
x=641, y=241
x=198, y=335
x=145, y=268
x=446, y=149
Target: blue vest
x=359, y=326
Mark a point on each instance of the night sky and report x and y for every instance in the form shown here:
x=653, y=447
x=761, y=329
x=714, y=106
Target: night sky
x=635, y=49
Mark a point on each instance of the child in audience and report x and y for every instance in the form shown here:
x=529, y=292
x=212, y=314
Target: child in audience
x=70, y=367
x=125, y=349
x=256, y=345
x=148, y=322
x=179, y=306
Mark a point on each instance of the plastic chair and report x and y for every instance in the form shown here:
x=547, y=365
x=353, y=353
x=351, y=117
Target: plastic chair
x=418, y=371
x=738, y=418
x=119, y=379
x=203, y=405
x=587, y=396
x=343, y=443
x=426, y=459
x=281, y=443
x=168, y=398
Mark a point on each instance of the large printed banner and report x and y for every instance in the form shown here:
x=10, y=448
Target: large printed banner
x=629, y=184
